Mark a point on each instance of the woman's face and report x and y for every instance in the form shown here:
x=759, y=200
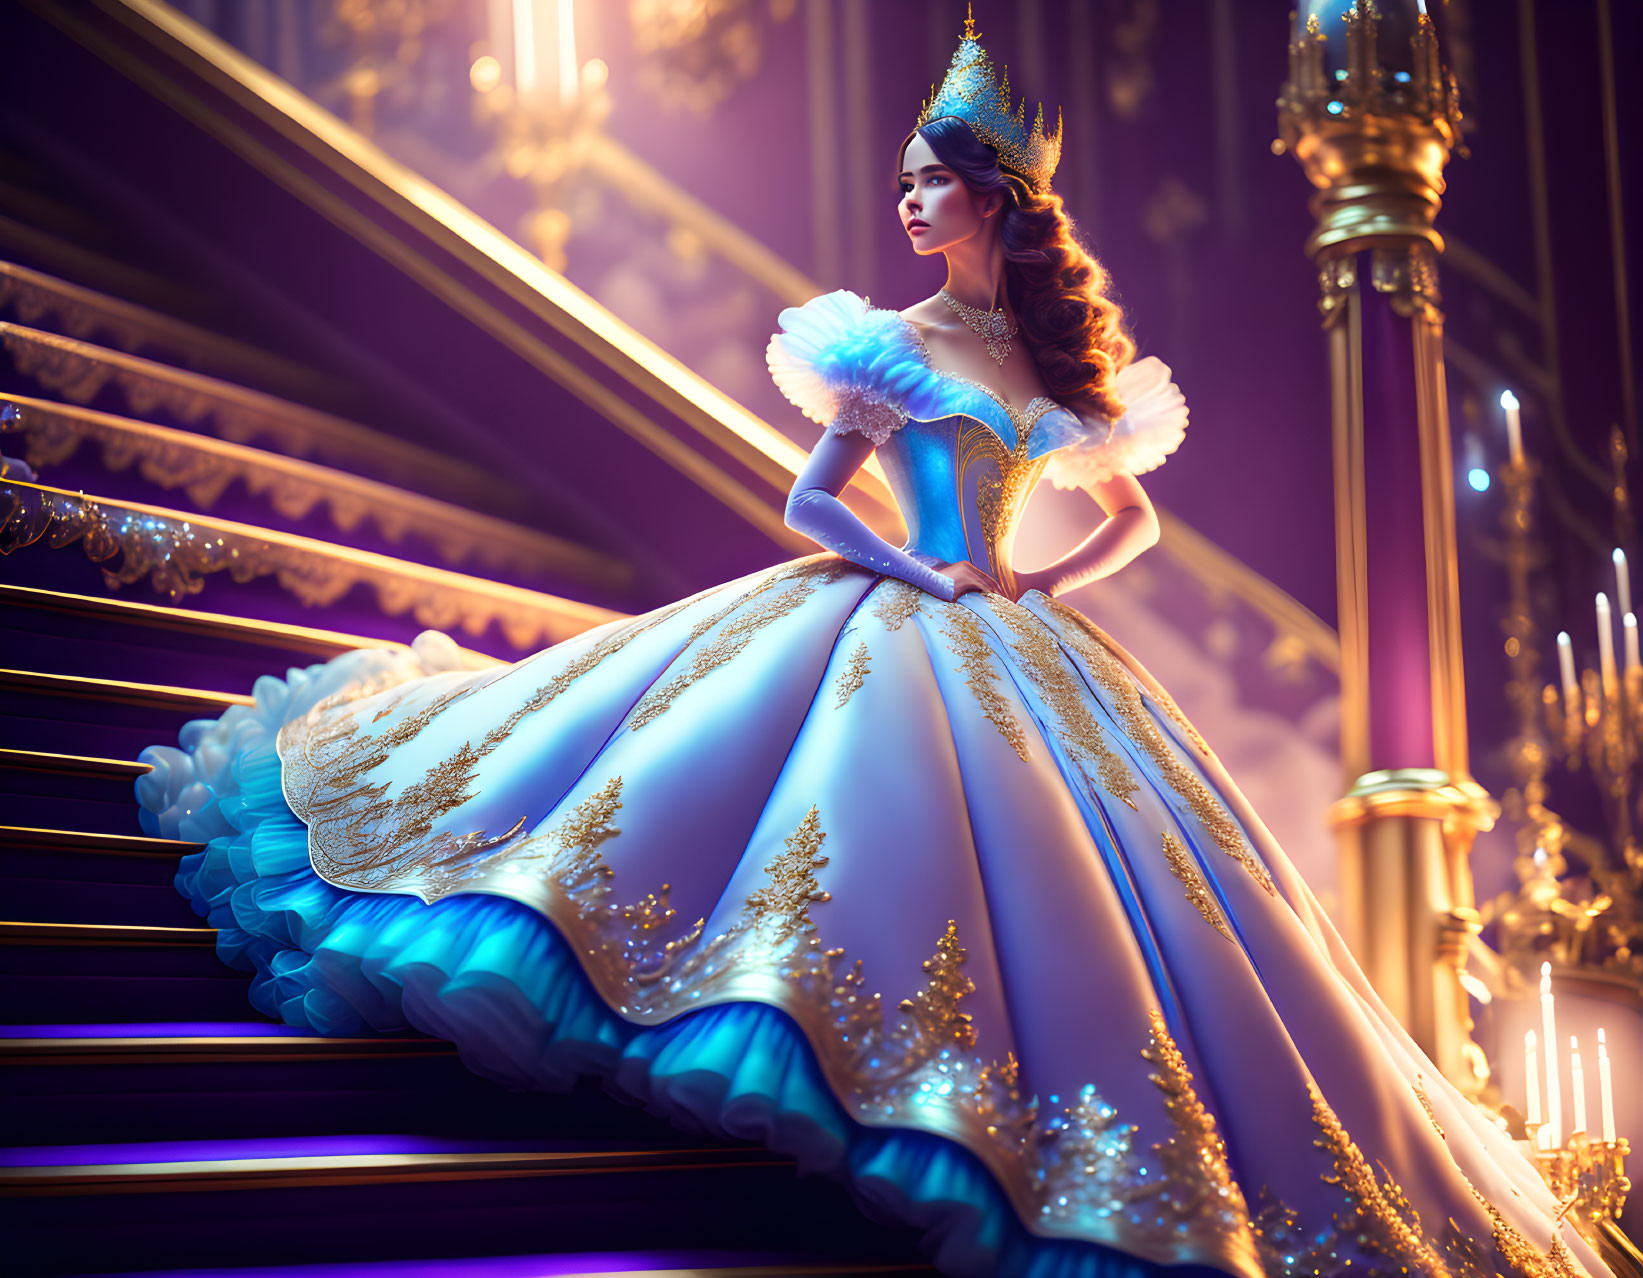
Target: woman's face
x=937, y=210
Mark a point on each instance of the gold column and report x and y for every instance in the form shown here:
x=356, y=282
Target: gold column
x=1373, y=137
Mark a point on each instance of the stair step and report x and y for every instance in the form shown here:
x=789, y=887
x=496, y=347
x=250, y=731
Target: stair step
x=81, y=372
x=730, y=1202
x=201, y=545
x=48, y=252
x=94, y=636
x=196, y=1043
x=415, y=1088
x=64, y=713
x=95, y=795
x=59, y=306
x=273, y=1163
x=32, y=991
x=96, y=971
x=199, y=702
x=73, y=847
x=642, y=1264
x=227, y=629
x=37, y=788
x=50, y=433
x=75, y=901
x=36, y=763
x=106, y=935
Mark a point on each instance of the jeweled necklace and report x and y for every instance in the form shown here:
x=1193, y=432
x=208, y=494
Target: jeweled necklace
x=994, y=327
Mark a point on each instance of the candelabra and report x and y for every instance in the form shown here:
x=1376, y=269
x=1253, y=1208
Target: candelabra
x=1590, y=1174
x=1592, y=720
x=1586, y=1172
x=544, y=135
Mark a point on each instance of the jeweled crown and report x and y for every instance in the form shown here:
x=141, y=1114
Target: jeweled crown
x=971, y=93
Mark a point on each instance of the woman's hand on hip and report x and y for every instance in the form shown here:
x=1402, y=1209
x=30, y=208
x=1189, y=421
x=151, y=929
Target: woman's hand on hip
x=966, y=577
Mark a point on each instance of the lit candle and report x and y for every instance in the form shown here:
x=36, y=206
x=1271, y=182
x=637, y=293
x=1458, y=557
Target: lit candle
x=1605, y=1089
x=1571, y=686
x=1577, y=1084
x=1531, y=1072
x=527, y=47
x=1605, y=646
x=1622, y=582
x=1554, y=1090
x=566, y=43
x=1628, y=627
x=1514, y=427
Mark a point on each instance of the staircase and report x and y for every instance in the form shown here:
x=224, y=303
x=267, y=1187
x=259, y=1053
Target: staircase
x=183, y=453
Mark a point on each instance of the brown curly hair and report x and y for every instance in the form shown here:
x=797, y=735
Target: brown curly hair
x=1057, y=289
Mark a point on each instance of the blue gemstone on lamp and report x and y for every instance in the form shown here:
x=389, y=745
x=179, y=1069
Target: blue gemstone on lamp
x=1478, y=477
x=1335, y=107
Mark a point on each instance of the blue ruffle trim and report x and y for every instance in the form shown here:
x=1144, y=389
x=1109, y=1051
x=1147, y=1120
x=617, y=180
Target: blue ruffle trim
x=495, y=978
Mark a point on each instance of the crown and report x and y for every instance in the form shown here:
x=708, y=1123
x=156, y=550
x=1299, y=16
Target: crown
x=970, y=92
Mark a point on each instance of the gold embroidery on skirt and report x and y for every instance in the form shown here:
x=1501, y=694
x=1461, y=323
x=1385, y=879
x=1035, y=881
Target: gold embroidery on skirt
x=1427, y=1106
x=1111, y=676
x=1203, y=1190
x=746, y=619
x=1040, y=657
x=1185, y=867
x=1378, y=1219
x=853, y=675
x=361, y=839
x=894, y=602
x=967, y=641
x=1075, y=1172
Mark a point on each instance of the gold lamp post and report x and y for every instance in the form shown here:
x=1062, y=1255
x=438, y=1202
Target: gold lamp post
x=1372, y=115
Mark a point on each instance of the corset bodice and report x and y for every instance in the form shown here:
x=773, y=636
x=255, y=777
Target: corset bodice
x=962, y=487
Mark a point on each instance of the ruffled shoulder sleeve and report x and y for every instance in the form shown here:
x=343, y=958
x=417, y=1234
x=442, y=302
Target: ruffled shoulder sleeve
x=1152, y=427
x=845, y=364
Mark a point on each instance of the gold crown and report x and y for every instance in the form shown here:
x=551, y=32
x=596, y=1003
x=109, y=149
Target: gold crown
x=970, y=92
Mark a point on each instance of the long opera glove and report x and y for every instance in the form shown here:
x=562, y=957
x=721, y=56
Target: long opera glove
x=814, y=509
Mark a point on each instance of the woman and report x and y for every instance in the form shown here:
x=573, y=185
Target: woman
x=884, y=857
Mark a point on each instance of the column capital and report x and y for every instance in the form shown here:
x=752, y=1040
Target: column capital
x=1460, y=803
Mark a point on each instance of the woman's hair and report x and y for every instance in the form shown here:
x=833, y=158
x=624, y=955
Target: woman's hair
x=1056, y=288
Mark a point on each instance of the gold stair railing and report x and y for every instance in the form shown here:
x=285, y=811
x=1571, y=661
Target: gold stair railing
x=175, y=549
x=277, y=635
x=43, y=301
x=79, y=370
x=204, y=467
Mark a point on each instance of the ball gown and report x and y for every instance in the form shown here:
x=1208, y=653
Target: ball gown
x=944, y=899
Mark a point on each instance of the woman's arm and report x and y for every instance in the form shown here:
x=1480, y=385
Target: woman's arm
x=814, y=509
x=1130, y=527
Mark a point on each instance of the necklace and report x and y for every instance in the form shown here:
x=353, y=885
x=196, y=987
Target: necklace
x=994, y=327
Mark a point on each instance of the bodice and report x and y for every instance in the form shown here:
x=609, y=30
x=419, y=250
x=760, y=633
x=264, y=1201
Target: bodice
x=960, y=460
x=962, y=488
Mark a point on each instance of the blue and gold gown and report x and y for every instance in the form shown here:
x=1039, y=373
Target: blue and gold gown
x=944, y=899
